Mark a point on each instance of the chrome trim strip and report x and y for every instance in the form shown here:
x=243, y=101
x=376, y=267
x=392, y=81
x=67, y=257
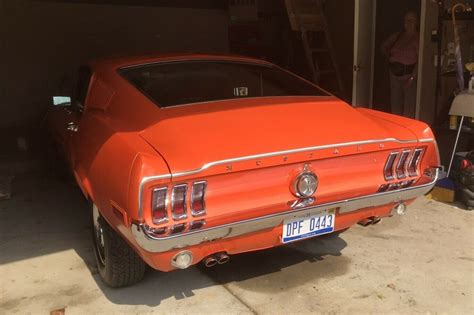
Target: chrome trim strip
x=319, y=97
x=293, y=151
x=158, y=245
x=265, y=155
x=427, y=140
x=204, y=58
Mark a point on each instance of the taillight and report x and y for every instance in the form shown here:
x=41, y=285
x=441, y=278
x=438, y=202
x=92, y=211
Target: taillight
x=388, y=169
x=197, y=225
x=178, y=228
x=402, y=164
x=383, y=188
x=406, y=166
x=414, y=162
x=174, y=204
x=158, y=205
x=198, y=207
x=393, y=186
x=178, y=202
x=406, y=183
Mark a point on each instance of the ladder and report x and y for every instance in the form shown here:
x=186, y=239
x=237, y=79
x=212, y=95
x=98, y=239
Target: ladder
x=307, y=17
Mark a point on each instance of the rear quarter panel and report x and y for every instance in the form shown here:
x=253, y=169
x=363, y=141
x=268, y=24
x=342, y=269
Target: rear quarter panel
x=110, y=153
x=420, y=130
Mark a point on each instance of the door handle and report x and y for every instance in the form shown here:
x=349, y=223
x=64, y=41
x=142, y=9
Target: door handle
x=357, y=68
x=72, y=126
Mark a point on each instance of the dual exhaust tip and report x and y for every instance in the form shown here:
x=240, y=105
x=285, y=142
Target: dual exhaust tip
x=370, y=221
x=216, y=259
x=399, y=208
x=222, y=258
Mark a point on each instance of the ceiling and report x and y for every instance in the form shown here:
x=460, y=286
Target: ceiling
x=201, y=4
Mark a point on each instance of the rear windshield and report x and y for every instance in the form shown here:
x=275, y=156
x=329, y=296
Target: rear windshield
x=176, y=83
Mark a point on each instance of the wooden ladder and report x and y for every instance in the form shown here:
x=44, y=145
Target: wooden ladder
x=307, y=17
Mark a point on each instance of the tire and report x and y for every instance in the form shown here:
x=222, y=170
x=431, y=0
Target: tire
x=466, y=196
x=118, y=264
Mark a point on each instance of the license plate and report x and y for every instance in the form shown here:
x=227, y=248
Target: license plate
x=308, y=226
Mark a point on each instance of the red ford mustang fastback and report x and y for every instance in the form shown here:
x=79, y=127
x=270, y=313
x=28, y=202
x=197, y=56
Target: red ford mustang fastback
x=190, y=158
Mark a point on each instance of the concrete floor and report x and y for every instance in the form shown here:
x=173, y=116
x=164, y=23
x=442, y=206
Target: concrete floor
x=419, y=263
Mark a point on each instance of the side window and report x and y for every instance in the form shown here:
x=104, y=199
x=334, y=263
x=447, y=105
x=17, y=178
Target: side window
x=82, y=86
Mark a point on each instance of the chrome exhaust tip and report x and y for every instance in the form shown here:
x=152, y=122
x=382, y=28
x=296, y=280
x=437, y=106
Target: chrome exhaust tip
x=400, y=209
x=210, y=262
x=365, y=222
x=182, y=260
x=369, y=221
x=222, y=258
x=376, y=220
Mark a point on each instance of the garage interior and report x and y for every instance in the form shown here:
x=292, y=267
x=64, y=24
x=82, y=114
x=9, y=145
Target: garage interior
x=402, y=265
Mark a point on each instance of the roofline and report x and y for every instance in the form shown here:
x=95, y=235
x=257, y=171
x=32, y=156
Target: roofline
x=132, y=61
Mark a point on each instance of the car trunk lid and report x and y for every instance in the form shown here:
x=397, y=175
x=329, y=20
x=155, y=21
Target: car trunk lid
x=195, y=137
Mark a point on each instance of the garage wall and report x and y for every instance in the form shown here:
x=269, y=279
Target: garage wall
x=340, y=17
x=40, y=41
x=427, y=86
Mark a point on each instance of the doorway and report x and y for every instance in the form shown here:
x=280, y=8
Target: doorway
x=389, y=20
x=375, y=21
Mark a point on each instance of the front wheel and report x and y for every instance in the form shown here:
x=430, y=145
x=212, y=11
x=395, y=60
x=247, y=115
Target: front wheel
x=119, y=265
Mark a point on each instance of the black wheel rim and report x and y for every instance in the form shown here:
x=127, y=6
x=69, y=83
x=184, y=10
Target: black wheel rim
x=99, y=242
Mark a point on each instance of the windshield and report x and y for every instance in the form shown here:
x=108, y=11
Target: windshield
x=176, y=83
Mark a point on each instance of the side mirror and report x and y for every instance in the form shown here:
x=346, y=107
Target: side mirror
x=61, y=101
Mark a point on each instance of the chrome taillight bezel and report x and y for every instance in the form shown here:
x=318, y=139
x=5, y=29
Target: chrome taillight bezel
x=183, y=215
x=414, y=163
x=198, y=213
x=175, y=207
x=388, y=171
x=401, y=169
x=155, y=207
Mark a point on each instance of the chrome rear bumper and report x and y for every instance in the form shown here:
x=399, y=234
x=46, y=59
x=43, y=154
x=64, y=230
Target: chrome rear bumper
x=157, y=245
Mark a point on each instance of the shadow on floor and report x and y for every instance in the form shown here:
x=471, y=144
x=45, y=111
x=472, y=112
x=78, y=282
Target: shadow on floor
x=47, y=215
x=283, y=268
x=44, y=215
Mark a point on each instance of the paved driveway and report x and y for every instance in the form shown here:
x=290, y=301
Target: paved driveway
x=421, y=262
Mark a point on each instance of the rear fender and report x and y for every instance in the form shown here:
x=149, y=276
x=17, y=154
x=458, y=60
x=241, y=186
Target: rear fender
x=147, y=171
x=420, y=129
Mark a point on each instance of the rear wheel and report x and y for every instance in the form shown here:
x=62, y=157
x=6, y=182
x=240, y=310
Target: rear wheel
x=119, y=265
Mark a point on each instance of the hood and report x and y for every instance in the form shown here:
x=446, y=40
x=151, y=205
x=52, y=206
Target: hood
x=191, y=136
